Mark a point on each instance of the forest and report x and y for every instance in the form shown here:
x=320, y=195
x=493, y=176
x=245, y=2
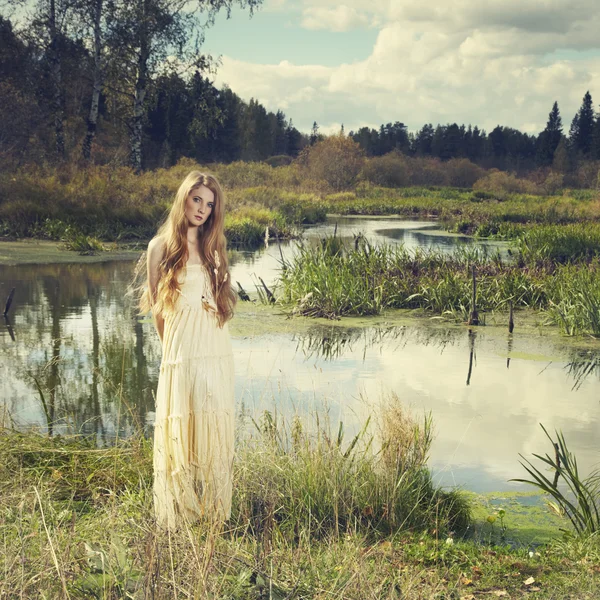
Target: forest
x=85, y=82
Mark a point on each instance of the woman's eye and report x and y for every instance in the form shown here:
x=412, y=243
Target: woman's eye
x=210, y=204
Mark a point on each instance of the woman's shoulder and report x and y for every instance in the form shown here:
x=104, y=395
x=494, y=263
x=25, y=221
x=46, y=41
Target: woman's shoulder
x=156, y=249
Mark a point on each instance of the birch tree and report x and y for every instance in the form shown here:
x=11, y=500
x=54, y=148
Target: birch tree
x=153, y=34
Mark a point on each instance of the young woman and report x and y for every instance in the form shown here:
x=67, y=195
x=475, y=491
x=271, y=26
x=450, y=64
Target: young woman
x=190, y=296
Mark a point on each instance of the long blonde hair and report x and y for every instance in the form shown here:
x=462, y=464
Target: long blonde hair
x=213, y=252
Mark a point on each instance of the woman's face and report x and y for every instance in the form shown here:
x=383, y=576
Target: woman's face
x=199, y=205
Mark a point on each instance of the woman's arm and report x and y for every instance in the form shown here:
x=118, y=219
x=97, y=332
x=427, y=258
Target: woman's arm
x=155, y=255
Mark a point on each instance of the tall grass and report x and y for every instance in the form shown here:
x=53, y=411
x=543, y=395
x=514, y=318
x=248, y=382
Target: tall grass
x=76, y=520
x=575, y=496
x=314, y=482
x=567, y=243
x=368, y=279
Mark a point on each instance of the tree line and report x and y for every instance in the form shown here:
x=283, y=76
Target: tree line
x=504, y=147
x=125, y=81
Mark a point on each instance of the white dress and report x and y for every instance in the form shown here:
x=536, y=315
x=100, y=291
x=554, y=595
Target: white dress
x=194, y=425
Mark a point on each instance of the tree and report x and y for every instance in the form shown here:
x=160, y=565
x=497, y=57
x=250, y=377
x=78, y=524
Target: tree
x=336, y=159
x=315, y=136
x=582, y=127
x=424, y=140
x=151, y=31
x=549, y=139
x=293, y=139
x=561, y=161
x=595, y=153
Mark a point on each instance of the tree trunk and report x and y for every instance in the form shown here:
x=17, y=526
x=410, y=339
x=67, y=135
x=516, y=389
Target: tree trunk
x=137, y=120
x=56, y=76
x=97, y=89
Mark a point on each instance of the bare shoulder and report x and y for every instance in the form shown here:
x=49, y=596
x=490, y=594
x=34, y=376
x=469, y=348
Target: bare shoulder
x=156, y=249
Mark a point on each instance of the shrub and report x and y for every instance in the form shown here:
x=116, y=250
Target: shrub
x=462, y=172
x=337, y=160
x=389, y=170
x=501, y=184
x=281, y=160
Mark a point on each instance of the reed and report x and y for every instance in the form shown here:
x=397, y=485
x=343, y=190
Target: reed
x=566, y=243
x=369, y=279
x=575, y=496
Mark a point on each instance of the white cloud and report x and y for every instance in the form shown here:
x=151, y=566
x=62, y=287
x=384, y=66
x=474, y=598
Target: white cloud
x=501, y=62
x=337, y=18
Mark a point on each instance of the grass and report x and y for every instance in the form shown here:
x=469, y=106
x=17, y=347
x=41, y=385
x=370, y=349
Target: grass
x=113, y=204
x=575, y=496
x=332, y=281
x=560, y=244
x=315, y=515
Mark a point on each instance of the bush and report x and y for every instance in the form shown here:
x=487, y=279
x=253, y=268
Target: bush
x=501, y=184
x=462, y=172
x=281, y=160
x=389, y=170
x=337, y=160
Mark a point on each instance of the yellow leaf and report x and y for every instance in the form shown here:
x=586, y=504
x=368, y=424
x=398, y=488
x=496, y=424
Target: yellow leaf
x=529, y=581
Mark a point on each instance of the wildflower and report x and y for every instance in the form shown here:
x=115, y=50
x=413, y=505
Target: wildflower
x=225, y=278
x=217, y=260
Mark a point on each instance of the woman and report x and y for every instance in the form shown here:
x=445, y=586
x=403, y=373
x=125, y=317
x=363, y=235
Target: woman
x=190, y=296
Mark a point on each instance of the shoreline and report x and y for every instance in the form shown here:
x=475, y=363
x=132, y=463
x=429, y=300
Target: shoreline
x=32, y=251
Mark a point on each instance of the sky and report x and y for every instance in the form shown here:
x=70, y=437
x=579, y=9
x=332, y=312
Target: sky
x=368, y=62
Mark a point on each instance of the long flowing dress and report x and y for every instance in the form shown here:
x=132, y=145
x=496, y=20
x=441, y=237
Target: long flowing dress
x=194, y=424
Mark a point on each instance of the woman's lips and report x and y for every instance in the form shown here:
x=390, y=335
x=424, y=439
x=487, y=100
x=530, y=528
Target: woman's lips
x=199, y=218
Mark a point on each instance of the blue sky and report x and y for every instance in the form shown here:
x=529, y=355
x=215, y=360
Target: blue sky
x=271, y=36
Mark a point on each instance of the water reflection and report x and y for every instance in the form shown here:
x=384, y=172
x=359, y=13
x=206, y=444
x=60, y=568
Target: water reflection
x=74, y=357
x=583, y=365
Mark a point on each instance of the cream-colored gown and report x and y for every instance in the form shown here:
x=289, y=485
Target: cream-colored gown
x=194, y=425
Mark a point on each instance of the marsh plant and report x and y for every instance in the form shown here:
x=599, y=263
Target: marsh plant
x=308, y=479
x=332, y=281
x=76, y=519
x=574, y=496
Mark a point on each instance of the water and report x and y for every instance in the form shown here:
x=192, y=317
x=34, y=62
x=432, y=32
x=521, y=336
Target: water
x=413, y=234
x=96, y=366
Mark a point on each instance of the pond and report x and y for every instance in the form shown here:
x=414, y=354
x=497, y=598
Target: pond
x=425, y=235
x=81, y=361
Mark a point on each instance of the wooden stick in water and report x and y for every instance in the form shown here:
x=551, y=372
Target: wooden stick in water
x=9, y=301
x=474, y=317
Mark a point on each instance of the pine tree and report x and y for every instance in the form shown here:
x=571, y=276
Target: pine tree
x=582, y=127
x=595, y=153
x=549, y=139
x=314, y=134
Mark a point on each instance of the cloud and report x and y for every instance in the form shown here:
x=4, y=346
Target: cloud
x=500, y=62
x=338, y=18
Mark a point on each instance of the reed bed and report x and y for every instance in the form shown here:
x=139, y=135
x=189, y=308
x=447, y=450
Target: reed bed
x=332, y=280
x=560, y=244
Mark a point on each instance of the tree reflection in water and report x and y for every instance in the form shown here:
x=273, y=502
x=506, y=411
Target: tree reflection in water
x=77, y=338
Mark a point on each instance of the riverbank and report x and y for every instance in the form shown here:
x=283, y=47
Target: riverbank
x=76, y=521
x=114, y=204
